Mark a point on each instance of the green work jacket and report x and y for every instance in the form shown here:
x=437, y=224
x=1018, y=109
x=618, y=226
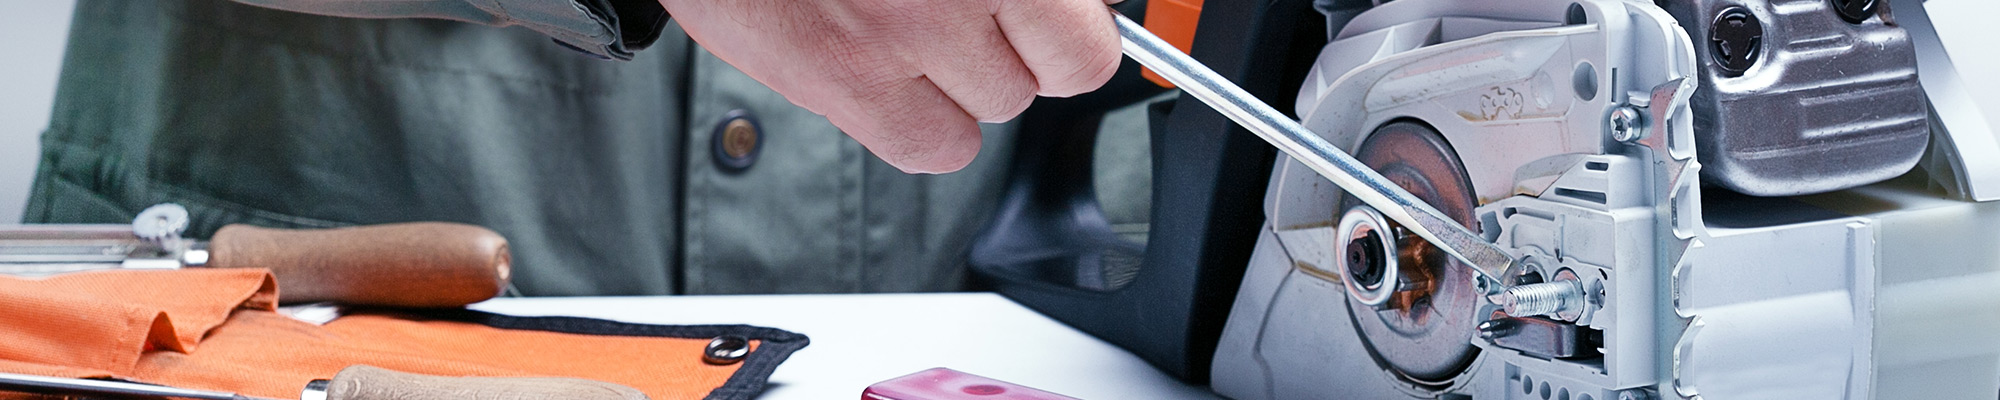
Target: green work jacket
x=608, y=177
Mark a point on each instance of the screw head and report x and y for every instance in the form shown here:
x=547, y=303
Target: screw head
x=1626, y=124
x=1635, y=394
x=1735, y=39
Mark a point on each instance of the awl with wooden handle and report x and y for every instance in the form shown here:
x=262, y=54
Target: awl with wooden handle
x=423, y=264
x=358, y=382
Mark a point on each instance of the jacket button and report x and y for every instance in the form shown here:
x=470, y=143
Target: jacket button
x=737, y=140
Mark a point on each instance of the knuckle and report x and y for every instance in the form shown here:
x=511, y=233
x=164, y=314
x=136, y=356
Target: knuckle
x=1086, y=61
x=1001, y=101
x=1010, y=110
x=941, y=152
x=937, y=149
x=1079, y=78
x=905, y=128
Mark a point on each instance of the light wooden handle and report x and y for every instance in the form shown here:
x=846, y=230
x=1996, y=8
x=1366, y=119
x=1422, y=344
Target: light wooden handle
x=363, y=382
x=422, y=264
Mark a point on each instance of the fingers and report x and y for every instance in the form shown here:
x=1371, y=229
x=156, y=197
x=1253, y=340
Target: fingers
x=1070, y=45
x=909, y=123
x=971, y=61
x=910, y=79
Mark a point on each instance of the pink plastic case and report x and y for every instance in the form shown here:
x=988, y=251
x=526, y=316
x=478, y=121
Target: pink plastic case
x=946, y=384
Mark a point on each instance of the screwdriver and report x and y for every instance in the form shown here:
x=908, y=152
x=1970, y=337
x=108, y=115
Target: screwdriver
x=359, y=382
x=423, y=264
x=1483, y=257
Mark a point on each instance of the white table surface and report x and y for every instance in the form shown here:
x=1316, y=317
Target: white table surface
x=861, y=339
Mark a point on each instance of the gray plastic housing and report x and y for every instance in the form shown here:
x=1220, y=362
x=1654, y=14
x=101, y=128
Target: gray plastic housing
x=1827, y=104
x=1884, y=291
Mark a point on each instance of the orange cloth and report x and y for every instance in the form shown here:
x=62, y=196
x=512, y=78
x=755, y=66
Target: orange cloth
x=217, y=329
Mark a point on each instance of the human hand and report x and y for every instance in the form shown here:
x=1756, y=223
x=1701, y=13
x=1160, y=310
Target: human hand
x=909, y=78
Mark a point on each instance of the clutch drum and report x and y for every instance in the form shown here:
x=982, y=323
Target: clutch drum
x=1423, y=331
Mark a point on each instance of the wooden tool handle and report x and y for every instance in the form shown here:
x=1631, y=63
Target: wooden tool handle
x=423, y=264
x=363, y=382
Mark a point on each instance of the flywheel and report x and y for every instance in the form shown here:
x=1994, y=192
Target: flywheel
x=1420, y=322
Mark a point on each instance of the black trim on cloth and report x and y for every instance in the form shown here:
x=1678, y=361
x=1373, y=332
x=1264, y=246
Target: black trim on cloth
x=747, y=383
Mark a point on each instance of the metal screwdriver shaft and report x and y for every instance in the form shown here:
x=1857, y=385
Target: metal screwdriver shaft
x=45, y=384
x=1485, y=259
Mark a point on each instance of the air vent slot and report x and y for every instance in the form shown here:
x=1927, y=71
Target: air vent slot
x=1594, y=197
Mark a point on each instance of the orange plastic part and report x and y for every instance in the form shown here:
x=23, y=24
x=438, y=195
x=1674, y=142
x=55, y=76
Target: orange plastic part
x=1173, y=21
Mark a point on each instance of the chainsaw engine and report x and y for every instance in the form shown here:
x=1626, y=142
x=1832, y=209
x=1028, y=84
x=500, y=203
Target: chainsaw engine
x=1707, y=199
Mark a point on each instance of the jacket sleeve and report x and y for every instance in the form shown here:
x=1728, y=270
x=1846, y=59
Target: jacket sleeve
x=611, y=29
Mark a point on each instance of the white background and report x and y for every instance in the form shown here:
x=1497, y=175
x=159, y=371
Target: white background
x=32, y=34
x=1967, y=24
x=860, y=339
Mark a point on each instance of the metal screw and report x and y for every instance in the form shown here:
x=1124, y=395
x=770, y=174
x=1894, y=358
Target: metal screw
x=1494, y=329
x=1540, y=298
x=1573, y=313
x=1635, y=394
x=1626, y=124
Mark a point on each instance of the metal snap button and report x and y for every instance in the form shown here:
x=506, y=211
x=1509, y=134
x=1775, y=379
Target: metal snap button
x=726, y=349
x=737, y=140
